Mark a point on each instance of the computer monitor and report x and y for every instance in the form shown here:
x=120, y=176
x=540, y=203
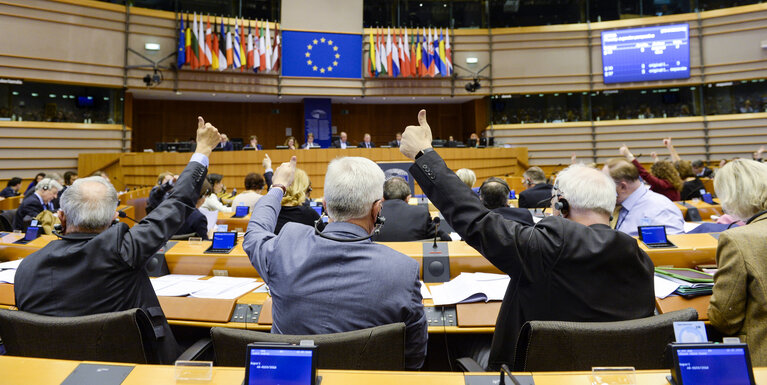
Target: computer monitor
x=318, y=209
x=710, y=364
x=280, y=364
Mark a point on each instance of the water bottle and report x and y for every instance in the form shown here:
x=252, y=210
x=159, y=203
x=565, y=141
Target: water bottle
x=512, y=194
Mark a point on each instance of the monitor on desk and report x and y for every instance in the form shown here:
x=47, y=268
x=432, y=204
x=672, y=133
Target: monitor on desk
x=704, y=364
x=280, y=364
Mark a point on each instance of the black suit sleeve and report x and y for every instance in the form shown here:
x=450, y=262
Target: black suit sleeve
x=522, y=202
x=511, y=247
x=268, y=178
x=146, y=237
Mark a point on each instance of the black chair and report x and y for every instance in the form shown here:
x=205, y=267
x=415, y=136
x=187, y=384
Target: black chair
x=182, y=237
x=377, y=348
x=125, y=336
x=6, y=220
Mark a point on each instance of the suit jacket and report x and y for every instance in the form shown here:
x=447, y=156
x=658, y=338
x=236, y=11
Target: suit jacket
x=29, y=207
x=738, y=303
x=195, y=223
x=313, y=145
x=8, y=192
x=406, y=223
x=323, y=286
x=691, y=189
x=560, y=270
x=362, y=145
x=530, y=198
x=522, y=216
x=84, y=274
x=337, y=144
x=157, y=195
x=228, y=146
x=393, y=144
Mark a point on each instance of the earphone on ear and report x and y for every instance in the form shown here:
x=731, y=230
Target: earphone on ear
x=561, y=203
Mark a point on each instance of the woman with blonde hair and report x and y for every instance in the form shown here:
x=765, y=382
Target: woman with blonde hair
x=662, y=178
x=293, y=209
x=738, y=303
x=290, y=142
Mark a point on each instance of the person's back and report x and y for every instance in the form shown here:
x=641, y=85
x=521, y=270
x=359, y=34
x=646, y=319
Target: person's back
x=538, y=192
x=404, y=222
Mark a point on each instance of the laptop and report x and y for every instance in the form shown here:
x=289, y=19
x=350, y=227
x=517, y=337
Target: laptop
x=223, y=242
x=654, y=237
x=709, y=199
x=280, y=364
x=711, y=364
x=32, y=233
x=318, y=209
x=241, y=211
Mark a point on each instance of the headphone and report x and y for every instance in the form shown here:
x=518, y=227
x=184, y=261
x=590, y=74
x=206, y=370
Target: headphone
x=561, y=203
x=496, y=180
x=379, y=223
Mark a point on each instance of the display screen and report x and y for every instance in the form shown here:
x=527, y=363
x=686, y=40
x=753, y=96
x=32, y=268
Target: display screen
x=653, y=234
x=242, y=211
x=224, y=240
x=646, y=54
x=318, y=209
x=31, y=234
x=280, y=367
x=720, y=366
x=707, y=198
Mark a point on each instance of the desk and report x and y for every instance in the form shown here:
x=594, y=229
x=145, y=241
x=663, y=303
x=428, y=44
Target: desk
x=705, y=210
x=691, y=250
x=11, y=203
x=233, y=223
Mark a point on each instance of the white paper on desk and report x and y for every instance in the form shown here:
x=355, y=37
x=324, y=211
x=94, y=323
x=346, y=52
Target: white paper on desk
x=262, y=289
x=470, y=287
x=455, y=237
x=211, y=216
x=10, y=264
x=227, y=287
x=425, y=293
x=690, y=226
x=182, y=288
x=167, y=280
x=6, y=276
x=664, y=287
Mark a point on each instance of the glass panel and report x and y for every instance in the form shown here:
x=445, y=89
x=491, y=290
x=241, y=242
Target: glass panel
x=379, y=13
x=515, y=13
x=645, y=103
x=539, y=108
x=45, y=102
x=469, y=14
x=250, y=9
x=736, y=97
x=425, y=13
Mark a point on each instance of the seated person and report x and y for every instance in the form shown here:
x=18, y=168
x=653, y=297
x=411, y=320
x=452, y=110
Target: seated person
x=738, y=303
x=161, y=191
x=371, y=284
x=69, y=178
x=196, y=223
x=342, y=141
x=467, y=176
x=397, y=140
x=12, y=188
x=691, y=184
x=700, y=170
x=662, y=178
x=293, y=208
x=60, y=179
x=310, y=142
x=213, y=202
x=494, y=195
x=638, y=205
x=404, y=222
x=538, y=192
x=253, y=144
x=597, y=273
x=99, y=267
x=473, y=140
x=290, y=143
x=225, y=144
x=31, y=188
x=42, y=199
x=254, y=183
x=366, y=143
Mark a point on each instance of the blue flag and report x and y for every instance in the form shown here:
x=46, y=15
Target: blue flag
x=322, y=55
x=181, y=58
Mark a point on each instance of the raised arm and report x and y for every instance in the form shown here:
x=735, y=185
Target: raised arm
x=268, y=173
x=674, y=155
x=649, y=178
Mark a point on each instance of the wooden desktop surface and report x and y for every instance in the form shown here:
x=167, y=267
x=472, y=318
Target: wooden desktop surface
x=705, y=210
x=40, y=371
x=233, y=223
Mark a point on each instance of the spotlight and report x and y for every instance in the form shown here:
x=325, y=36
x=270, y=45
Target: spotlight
x=153, y=79
x=473, y=86
x=148, y=80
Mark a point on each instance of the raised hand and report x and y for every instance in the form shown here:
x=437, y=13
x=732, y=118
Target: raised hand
x=416, y=138
x=267, y=162
x=624, y=150
x=284, y=174
x=207, y=137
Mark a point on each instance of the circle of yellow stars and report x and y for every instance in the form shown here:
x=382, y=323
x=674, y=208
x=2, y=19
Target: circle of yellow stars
x=311, y=63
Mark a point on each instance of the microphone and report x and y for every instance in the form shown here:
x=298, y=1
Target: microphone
x=436, y=221
x=122, y=214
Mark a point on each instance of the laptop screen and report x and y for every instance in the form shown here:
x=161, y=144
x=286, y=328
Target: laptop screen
x=707, y=198
x=653, y=234
x=318, y=209
x=223, y=241
x=32, y=232
x=713, y=365
x=242, y=211
x=280, y=366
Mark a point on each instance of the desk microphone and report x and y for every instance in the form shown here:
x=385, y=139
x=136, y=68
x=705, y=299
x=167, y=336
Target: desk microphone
x=122, y=214
x=436, y=221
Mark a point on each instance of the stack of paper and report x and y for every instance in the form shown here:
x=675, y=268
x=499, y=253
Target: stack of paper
x=665, y=285
x=175, y=285
x=8, y=271
x=471, y=287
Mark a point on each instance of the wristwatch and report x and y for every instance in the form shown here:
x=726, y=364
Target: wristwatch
x=425, y=150
x=280, y=186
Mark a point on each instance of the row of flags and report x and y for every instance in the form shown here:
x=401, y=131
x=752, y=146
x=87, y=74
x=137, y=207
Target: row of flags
x=203, y=47
x=425, y=53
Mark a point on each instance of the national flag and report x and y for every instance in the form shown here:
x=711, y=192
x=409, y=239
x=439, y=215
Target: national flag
x=432, y=70
x=413, y=60
x=418, y=55
x=443, y=53
x=256, y=52
x=389, y=64
x=222, y=62
x=214, y=45
x=188, y=42
x=208, y=44
x=405, y=55
x=262, y=48
x=371, y=55
x=229, y=48
x=268, y=43
x=381, y=53
x=236, y=46
x=249, y=56
x=181, y=54
x=276, y=51
x=438, y=53
x=243, y=48
x=201, y=43
x=195, y=46
x=424, y=54
x=394, y=56
x=448, y=53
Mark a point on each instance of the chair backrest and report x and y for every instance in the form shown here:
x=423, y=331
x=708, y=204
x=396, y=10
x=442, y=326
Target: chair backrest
x=116, y=337
x=6, y=220
x=377, y=348
x=572, y=346
x=139, y=207
x=182, y=237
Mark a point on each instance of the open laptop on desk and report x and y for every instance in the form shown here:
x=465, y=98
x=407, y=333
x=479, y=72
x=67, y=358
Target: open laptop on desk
x=241, y=212
x=32, y=233
x=223, y=243
x=654, y=237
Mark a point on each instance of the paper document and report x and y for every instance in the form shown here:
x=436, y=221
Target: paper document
x=6, y=276
x=425, y=293
x=171, y=279
x=690, y=226
x=10, y=264
x=211, y=216
x=181, y=288
x=471, y=287
x=227, y=287
x=664, y=287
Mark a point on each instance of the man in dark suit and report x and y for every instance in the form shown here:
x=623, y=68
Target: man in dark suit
x=700, y=169
x=342, y=141
x=569, y=267
x=366, y=143
x=538, y=193
x=42, y=199
x=396, y=141
x=98, y=267
x=494, y=194
x=225, y=144
x=12, y=189
x=404, y=222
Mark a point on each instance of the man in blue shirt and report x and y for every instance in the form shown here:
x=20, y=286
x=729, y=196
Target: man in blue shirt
x=637, y=205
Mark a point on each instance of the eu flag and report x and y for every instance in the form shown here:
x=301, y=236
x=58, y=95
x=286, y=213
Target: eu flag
x=321, y=54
